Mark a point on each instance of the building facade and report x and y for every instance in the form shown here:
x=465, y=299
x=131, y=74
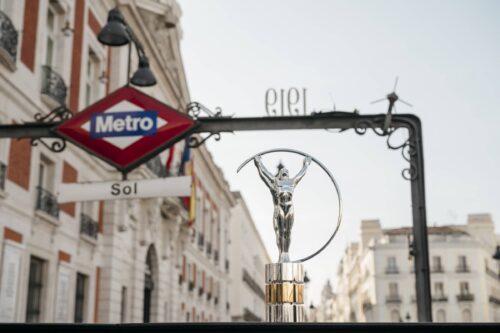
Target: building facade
x=376, y=281
x=107, y=261
x=247, y=269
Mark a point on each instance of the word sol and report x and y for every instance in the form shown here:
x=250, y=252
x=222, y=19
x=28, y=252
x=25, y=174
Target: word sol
x=289, y=102
x=118, y=189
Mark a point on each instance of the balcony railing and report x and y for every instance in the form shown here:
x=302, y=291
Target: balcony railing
x=440, y=298
x=437, y=269
x=3, y=174
x=391, y=270
x=47, y=202
x=465, y=297
x=53, y=85
x=463, y=269
x=393, y=299
x=8, y=39
x=157, y=167
x=88, y=226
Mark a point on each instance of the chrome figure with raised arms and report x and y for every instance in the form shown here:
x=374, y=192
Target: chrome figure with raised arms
x=281, y=187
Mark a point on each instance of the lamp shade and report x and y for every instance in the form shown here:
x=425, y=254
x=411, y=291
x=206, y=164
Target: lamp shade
x=143, y=77
x=114, y=33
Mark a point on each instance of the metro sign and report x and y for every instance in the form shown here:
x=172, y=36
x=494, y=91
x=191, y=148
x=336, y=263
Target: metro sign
x=126, y=128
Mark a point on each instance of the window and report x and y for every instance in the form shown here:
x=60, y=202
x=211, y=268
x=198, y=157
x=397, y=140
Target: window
x=464, y=288
x=462, y=264
x=92, y=85
x=438, y=289
x=35, y=285
x=81, y=287
x=51, y=28
x=46, y=174
x=391, y=265
x=441, y=316
x=123, y=307
x=466, y=315
x=436, y=264
x=395, y=317
x=393, y=289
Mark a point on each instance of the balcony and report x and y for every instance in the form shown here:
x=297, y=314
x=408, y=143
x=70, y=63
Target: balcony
x=393, y=299
x=465, y=297
x=47, y=202
x=440, y=298
x=463, y=269
x=209, y=296
x=191, y=286
x=391, y=270
x=200, y=291
x=53, y=85
x=156, y=167
x=437, y=269
x=3, y=174
x=209, y=249
x=216, y=256
x=8, y=41
x=88, y=226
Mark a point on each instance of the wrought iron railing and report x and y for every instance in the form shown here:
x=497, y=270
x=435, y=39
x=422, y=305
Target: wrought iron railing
x=463, y=268
x=437, y=269
x=157, y=167
x=440, y=298
x=53, y=85
x=391, y=270
x=3, y=174
x=393, y=299
x=8, y=36
x=465, y=297
x=47, y=202
x=88, y=226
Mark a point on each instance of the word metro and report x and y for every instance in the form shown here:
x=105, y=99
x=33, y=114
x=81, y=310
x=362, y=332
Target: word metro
x=129, y=123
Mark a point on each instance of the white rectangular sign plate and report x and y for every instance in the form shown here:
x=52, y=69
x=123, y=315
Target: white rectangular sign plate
x=130, y=189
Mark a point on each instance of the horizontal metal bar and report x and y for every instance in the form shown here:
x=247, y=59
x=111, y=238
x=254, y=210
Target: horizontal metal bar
x=332, y=120
x=28, y=130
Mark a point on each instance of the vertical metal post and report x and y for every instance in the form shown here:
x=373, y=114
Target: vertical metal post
x=420, y=243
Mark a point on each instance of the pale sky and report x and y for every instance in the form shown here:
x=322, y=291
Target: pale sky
x=446, y=54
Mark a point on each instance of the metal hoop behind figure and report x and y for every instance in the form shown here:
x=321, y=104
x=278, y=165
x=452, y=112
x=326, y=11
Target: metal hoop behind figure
x=339, y=219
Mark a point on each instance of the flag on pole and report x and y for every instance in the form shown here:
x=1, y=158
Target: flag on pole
x=187, y=169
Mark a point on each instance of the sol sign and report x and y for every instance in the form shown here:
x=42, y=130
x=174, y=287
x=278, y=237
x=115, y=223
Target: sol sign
x=126, y=128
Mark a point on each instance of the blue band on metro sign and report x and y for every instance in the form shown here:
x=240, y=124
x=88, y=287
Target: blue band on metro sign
x=129, y=123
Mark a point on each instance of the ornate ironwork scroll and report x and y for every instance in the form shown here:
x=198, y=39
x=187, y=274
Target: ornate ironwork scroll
x=58, y=114
x=407, y=148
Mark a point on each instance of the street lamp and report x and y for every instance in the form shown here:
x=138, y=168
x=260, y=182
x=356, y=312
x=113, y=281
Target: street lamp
x=116, y=32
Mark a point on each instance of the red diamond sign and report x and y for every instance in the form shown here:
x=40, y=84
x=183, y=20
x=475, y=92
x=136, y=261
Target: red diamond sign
x=126, y=128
